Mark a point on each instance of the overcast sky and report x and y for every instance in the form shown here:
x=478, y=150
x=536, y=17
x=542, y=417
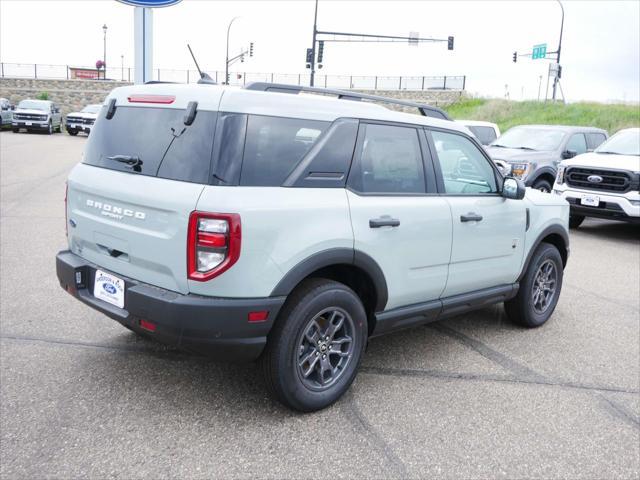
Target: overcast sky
x=600, y=51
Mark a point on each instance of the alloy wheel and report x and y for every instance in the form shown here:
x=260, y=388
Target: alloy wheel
x=544, y=286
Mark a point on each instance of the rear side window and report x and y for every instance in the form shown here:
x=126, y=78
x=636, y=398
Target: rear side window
x=485, y=135
x=577, y=143
x=594, y=140
x=390, y=161
x=274, y=146
x=153, y=142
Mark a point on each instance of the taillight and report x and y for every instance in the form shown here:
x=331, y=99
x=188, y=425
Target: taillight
x=213, y=244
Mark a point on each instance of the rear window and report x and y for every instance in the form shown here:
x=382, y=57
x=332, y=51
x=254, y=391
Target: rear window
x=485, y=135
x=153, y=142
x=274, y=146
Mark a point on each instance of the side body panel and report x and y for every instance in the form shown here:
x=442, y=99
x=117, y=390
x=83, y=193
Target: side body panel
x=281, y=227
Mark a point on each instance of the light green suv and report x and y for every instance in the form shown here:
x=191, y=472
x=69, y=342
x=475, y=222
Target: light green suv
x=258, y=224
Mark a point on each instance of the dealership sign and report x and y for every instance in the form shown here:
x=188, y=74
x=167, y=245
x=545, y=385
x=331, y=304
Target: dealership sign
x=150, y=3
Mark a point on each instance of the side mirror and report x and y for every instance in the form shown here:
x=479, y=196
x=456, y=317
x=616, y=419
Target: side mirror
x=513, y=188
x=569, y=154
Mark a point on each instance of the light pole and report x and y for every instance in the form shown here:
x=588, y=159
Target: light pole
x=556, y=79
x=313, y=47
x=226, y=68
x=104, y=56
x=122, y=67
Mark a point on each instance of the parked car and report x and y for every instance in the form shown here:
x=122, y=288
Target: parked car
x=83, y=120
x=6, y=112
x=604, y=183
x=250, y=224
x=485, y=132
x=40, y=115
x=534, y=151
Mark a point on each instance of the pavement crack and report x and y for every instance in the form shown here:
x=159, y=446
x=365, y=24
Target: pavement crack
x=362, y=425
x=519, y=370
x=619, y=412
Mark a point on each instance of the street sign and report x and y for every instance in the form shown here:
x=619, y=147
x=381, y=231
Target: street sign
x=554, y=70
x=150, y=3
x=539, y=51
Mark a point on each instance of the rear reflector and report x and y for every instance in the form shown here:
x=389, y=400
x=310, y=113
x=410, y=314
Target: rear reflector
x=147, y=325
x=260, y=316
x=214, y=240
x=164, y=99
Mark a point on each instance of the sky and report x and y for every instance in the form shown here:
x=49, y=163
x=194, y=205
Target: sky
x=600, y=47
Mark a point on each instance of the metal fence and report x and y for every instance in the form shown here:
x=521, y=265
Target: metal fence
x=362, y=82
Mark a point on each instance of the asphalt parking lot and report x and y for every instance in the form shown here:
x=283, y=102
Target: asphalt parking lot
x=471, y=397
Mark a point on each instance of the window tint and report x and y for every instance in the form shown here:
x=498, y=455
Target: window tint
x=390, y=161
x=274, y=146
x=158, y=137
x=485, y=135
x=594, y=140
x=577, y=143
x=465, y=170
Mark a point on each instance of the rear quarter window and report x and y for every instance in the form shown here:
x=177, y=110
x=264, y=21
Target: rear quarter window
x=158, y=137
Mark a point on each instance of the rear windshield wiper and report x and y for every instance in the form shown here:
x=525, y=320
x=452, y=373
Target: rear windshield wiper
x=525, y=148
x=497, y=145
x=129, y=160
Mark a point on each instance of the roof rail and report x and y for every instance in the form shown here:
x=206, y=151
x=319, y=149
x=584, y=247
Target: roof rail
x=424, y=109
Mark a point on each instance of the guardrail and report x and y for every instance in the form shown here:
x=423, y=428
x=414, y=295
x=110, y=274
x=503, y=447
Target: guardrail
x=359, y=82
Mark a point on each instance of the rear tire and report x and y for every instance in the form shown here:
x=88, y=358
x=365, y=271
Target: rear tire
x=315, y=348
x=575, y=220
x=542, y=185
x=539, y=289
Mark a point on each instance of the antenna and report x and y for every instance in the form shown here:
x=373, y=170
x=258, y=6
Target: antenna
x=204, y=77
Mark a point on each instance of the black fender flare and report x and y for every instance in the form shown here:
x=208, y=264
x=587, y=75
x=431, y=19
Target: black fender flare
x=328, y=258
x=550, y=230
x=542, y=171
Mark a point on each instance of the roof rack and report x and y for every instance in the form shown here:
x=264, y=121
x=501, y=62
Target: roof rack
x=426, y=110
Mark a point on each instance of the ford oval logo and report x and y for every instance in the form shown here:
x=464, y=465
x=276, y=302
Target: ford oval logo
x=109, y=288
x=594, y=178
x=150, y=3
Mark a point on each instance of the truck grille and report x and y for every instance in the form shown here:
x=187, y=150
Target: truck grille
x=612, y=181
x=80, y=120
x=28, y=116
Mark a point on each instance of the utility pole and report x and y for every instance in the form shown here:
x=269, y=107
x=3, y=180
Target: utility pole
x=313, y=46
x=122, y=67
x=104, y=56
x=226, y=70
x=556, y=79
x=539, y=86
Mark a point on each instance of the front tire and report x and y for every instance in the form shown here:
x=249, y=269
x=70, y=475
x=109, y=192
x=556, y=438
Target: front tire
x=15, y=130
x=315, y=348
x=71, y=132
x=575, y=220
x=539, y=289
x=50, y=128
x=542, y=185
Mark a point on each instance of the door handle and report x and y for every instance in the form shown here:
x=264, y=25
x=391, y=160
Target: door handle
x=384, y=221
x=471, y=217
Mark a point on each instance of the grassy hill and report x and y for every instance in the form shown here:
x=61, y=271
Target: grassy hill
x=508, y=113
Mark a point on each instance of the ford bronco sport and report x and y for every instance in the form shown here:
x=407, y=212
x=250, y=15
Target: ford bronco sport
x=265, y=224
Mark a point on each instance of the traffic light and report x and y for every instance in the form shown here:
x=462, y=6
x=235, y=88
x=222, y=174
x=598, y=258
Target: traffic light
x=515, y=57
x=251, y=49
x=320, y=50
x=309, y=57
x=450, y=43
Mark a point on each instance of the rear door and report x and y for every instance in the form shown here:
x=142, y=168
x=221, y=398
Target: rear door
x=129, y=200
x=488, y=229
x=397, y=218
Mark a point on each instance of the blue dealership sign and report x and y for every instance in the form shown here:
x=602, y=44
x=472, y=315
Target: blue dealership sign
x=150, y=3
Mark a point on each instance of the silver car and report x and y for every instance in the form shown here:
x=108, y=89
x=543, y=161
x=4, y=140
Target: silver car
x=37, y=115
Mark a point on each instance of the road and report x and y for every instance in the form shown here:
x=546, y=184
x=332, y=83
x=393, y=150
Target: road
x=470, y=397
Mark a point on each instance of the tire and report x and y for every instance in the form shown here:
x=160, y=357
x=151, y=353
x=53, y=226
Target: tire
x=73, y=133
x=303, y=370
x=542, y=185
x=575, y=220
x=15, y=130
x=50, y=129
x=526, y=308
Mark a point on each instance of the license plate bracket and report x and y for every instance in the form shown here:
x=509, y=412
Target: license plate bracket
x=109, y=288
x=590, y=200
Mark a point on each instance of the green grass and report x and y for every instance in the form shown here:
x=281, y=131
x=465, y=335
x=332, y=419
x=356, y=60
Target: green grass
x=510, y=113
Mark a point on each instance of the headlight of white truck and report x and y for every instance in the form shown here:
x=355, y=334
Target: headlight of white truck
x=560, y=175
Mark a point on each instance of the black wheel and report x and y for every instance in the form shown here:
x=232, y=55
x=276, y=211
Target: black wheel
x=575, y=220
x=539, y=289
x=542, y=185
x=50, y=128
x=72, y=132
x=314, y=350
x=15, y=130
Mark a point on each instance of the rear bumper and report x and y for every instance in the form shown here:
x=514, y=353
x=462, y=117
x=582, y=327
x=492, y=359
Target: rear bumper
x=217, y=327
